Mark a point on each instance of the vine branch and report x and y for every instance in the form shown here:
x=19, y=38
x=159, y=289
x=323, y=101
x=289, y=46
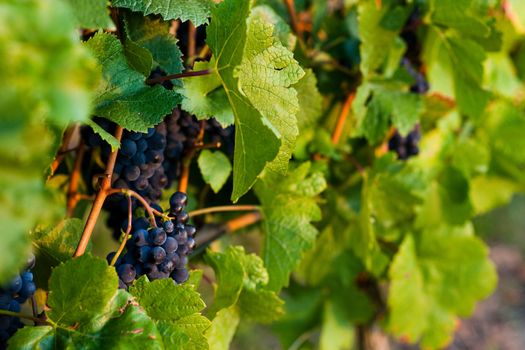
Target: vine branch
x=72, y=193
x=178, y=76
x=224, y=208
x=126, y=236
x=24, y=316
x=339, y=127
x=99, y=199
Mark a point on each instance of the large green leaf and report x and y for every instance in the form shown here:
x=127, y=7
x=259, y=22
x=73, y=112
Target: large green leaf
x=47, y=78
x=223, y=328
x=289, y=206
x=123, y=97
x=91, y=14
x=80, y=289
x=196, y=11
x=257, y=73
x=242, y=280
x=153, y=34
x=434, y=277
x=215, y=168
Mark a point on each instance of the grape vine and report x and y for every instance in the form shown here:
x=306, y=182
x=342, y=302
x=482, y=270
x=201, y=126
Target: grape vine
x=312, y=169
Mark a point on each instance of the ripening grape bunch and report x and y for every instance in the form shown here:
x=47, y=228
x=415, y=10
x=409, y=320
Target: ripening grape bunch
x=12, y=296
x=405, y=147
x=159, y=251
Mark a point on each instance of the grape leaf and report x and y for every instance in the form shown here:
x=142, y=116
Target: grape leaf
x=122, y=97
x=91, y=15
x=125, y=326
x=186, y=333
x=435, y=276
x=310, y=100
x=242, y=280
x=197, y=11
x=262, y=99
x=335, y=334
x=47, y=78
x=55, y=245
x=95, y=284
x=139, y=58
x=266, y=75
x=163, y=300
x=153, y=34
x=376, y=40
x=106, y=136
x=205, y=97
x=288, y=206
x=223, y=328
x=215, y=168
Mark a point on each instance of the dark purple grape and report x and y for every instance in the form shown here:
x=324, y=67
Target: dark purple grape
x=157, y=236
x=180, y=275
x=140, y=237
x=126, y=273
x=128, y=147
x=158, y=254
x=171, y=245
x=178, y=200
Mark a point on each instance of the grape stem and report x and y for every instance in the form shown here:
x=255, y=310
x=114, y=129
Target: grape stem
x=178, y=76
x=102, y=194
x=72, y=193
x=24, y=316
x=212, y=232
x=137, y=196
x=192, y=42
x=186, y=161
x=341, y=120
x=126, y=236
x=66, y=140
x=224, y=208
x=293, y=17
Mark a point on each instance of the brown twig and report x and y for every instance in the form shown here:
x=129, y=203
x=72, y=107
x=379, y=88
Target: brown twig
x=138, y=197
x=178, y=76
x=243, y=221
x=72, y=193
x=20, y=315
x=212, y=232
x=186, y=161
x=34, y=308
x=192, y=42
x=99, y=199
x=224, y=208
x=66, y=139
x=290, y=6
x=213, y=145
x=128, y=231
x=339, y=127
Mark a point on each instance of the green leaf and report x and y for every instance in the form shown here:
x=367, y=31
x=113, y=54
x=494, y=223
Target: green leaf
x=123, y=97
x=163, y=300
x=230, y=275
x=139, y=58
x=215, y=168
x=80, y=289
x=310, y=100
x=266, y=75
x=205, y=97
x=153, y=34
x=123, y=325
x=55, y=245
x=288, y=206
x=186, y=333
x=223, y=328
x=263, y=100
x=261, y=306
x=376, y=40
x=336, y=333
x=434, y=277
x=460, y=15
x=91, y=14
x=106, y=136
x=242, y=280
x=196, y=11
x=47, y=78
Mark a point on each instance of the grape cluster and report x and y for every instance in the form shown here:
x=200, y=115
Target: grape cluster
x=158, y=252
x=420, y=85
x=405, y=147
x=12, y=295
